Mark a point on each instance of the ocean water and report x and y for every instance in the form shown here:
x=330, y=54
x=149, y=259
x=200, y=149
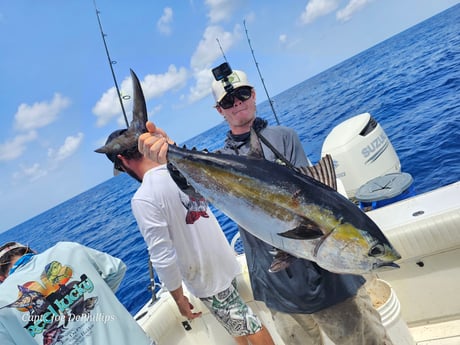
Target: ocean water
x=410, y=84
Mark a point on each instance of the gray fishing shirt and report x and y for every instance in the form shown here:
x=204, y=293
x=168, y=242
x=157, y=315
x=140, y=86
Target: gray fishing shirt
x=304, y=287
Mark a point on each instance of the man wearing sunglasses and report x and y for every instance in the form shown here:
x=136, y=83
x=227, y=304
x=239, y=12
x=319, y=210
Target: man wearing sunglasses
x=302, y=297
x=63, y=295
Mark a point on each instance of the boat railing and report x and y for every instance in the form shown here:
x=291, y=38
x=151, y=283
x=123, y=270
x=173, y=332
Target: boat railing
x=235, y=243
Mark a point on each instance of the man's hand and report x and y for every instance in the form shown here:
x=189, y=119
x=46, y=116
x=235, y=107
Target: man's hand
x=154, y=144
x=185, y=308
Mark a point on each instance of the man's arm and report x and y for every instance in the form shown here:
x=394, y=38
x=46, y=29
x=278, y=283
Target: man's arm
x=162, y=253
x=111, y=269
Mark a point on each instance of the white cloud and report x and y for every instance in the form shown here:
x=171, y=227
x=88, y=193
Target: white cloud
x=39, y=114
x=353, y=6
x=202, y=85
x=156, y=85
x=71, y=144
x=283, y=38
x=32, y=173
x=221, y=10
x=206, y=52
x=208, y=49
x=164, y=23
x=14, y=148
x=317, y=8
x=204, y=56
x=153, y=86
x=55, y=156
x=107, y=107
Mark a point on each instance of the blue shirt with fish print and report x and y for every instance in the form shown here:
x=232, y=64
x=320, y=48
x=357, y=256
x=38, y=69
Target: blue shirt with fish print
x=65, y=295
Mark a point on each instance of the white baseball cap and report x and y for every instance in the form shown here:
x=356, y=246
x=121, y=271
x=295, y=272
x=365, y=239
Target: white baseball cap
x=237, y=79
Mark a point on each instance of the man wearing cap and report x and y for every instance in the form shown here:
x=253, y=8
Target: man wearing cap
x=186, y=244
x=303, y=298
x=64, y=295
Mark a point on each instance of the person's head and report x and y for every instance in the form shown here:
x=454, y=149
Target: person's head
x=9, y=253
x=235, y=101
x=122, y=160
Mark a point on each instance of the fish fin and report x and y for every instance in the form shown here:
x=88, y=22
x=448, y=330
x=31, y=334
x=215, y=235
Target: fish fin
x=139, y=107
x=255, y=150
x=323, y=172
x=281, y=261
x=182, y=183
x=128, y=138
x=305, y=231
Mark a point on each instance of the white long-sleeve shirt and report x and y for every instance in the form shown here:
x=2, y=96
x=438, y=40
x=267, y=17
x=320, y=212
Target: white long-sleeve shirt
x=197, y=254
x=65, y=295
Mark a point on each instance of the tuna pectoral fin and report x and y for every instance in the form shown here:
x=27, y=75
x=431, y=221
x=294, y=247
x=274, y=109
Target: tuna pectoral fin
x=307, y=231
x=281, y=261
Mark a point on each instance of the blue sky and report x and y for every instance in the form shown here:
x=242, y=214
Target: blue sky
x=59, y=102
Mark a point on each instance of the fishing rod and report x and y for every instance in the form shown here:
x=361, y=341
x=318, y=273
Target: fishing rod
x=260, y=74
x=222, y=51
x=111, y=63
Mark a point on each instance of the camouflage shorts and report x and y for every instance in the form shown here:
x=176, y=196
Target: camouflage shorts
x=232, y=312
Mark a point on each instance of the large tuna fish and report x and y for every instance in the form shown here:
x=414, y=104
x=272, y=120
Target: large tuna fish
x=288, y=209
x=296, y=213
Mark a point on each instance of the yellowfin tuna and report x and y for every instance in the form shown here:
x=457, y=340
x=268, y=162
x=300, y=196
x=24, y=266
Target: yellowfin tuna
x=288, y=209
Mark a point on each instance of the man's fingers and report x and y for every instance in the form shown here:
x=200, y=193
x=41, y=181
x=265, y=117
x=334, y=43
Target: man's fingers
x=154, y=143
x=163, y=153
x=194, y=315
x=150, y=126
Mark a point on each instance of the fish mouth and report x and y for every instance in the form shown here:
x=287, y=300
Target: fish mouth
x=385, y=266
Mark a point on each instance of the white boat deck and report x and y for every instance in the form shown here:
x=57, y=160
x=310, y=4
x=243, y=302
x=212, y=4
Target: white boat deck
x=443, y=333
x=164, y=323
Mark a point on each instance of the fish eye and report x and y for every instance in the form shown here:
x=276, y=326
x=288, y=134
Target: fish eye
x=377, y=250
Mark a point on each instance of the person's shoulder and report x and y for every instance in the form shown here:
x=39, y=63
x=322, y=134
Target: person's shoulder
x=152, y=177
x=280, y=130
x=156, y=174
x=67, y=244
x=64, y=246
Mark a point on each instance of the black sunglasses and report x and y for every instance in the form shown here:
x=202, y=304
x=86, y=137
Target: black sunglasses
x=242, y=93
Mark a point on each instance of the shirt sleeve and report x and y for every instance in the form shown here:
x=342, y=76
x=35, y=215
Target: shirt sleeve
x=155, y=231
x=111, y=269
x=5, y=336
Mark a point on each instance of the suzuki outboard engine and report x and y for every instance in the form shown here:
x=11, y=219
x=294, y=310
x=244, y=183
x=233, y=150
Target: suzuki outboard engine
x=361, y=151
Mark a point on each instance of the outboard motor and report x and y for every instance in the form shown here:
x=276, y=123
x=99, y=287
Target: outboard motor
x=361, y=151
